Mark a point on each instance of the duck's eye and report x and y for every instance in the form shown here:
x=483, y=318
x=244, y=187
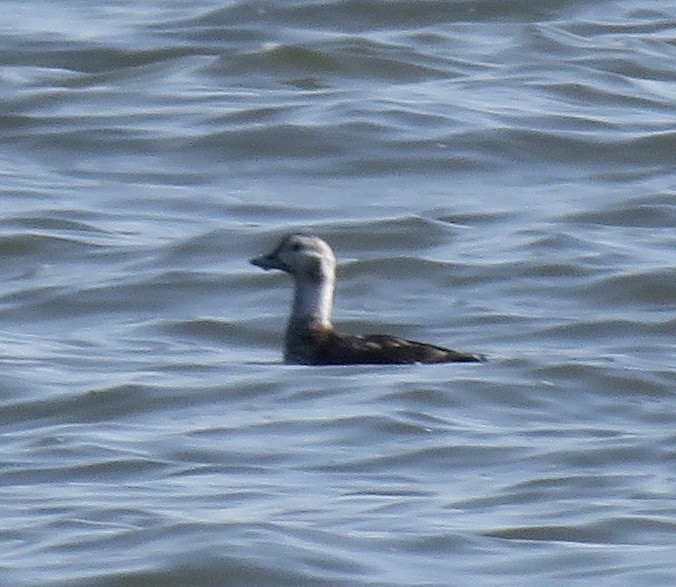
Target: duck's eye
x=296, y=247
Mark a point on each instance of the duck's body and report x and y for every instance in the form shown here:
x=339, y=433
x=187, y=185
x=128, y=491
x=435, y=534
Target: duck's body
x=310, y=337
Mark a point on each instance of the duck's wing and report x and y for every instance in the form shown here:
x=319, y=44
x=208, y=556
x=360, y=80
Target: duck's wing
x=342, y=349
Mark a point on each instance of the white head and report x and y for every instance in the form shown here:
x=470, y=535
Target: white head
x=312, y=264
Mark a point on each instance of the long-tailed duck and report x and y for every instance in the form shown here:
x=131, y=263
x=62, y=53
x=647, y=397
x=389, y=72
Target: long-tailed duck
x=310, y=337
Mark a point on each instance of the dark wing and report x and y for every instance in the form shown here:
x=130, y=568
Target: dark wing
x=342, y=349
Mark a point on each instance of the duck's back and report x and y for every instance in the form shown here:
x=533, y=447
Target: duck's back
x=330, y=348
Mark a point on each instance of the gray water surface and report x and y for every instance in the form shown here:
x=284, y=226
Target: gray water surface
x=498, y=177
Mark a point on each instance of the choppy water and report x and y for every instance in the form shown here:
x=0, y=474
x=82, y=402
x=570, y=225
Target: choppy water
x=495, y=176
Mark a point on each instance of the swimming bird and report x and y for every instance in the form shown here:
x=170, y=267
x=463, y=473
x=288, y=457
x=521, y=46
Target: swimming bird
x=310, y=337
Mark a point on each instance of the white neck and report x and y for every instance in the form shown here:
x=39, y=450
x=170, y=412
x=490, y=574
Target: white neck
x=313, y=302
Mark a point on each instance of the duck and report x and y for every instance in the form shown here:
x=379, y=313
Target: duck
x=310, y=337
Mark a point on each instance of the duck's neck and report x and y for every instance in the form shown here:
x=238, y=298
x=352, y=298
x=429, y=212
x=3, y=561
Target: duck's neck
x=310, y=318
x=311, y=310
x=312, y=303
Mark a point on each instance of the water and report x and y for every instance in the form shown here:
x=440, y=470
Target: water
x=494, y=176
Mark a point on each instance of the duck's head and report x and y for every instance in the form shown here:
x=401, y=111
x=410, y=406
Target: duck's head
x=303, y=256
